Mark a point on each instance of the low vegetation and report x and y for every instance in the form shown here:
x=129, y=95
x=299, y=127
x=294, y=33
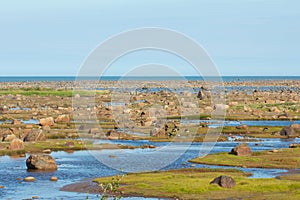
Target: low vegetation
x=194, y=184
x=282, y=159
x=48, y=92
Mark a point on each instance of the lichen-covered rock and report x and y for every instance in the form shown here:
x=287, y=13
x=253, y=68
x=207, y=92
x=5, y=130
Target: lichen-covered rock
x=41, y=162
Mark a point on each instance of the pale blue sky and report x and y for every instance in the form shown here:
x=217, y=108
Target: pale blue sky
x=246, y=37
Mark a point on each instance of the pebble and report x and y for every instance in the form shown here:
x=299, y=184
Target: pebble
x=29, y=179
x=47, y=151
x=53, y=178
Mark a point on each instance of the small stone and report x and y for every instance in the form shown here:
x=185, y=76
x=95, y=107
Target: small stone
x=294, y=145
x=35, y=197
x=29, y=179
x=54, y=179
x=47, y=151
x=69, y=144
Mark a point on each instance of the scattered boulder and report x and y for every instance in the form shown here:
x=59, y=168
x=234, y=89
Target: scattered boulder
x=77, y=96
x=244, y=126
x=16, y=122
x=221, y=107
x=113, y=133
x=69, y=144
x=35, y=135
x=156, y=132
x=242, y=150
x=49, y=121
x=287, y=131
x=29, y=179
x=224, y=181
x=63, y=119
x=16, y=144
x=294, y=145
x=94, y=131
x=46, y=128
x=200, y=95
x=233, y=103
x=296, y=127
x=9, y=137
x=41, y=162
x=274, y=109
x=284, y=115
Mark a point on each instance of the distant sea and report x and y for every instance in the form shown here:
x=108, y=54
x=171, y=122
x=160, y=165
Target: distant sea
x=116, y=78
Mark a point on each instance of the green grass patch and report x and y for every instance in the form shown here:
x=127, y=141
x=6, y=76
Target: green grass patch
x=283, y=159
x=194, y=184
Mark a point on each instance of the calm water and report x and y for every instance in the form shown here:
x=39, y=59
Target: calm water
x=82, y=164
x=115, y=78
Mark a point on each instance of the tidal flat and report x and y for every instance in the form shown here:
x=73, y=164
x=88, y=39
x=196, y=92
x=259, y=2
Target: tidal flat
x=66, y=117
